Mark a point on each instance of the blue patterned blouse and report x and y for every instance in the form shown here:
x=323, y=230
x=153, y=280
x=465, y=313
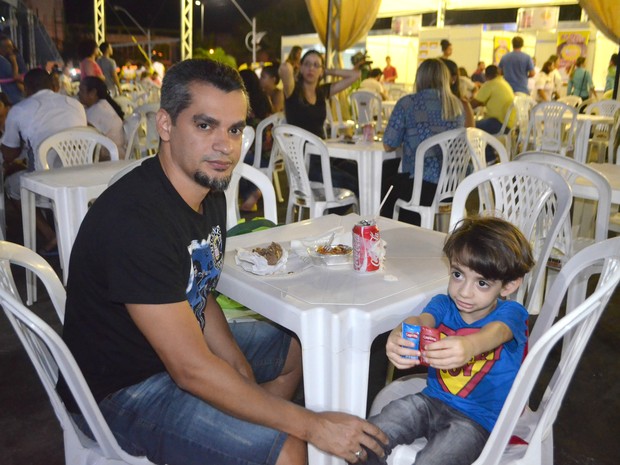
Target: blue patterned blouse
x=417, y=117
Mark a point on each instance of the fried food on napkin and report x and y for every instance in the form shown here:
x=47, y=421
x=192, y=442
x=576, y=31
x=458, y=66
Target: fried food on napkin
x=273, y=252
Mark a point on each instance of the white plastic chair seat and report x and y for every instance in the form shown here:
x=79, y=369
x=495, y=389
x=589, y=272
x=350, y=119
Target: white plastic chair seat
x=571, y=332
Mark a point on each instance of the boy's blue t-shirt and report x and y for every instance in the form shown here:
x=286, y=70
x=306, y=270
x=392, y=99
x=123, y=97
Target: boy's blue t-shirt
x=478, y=389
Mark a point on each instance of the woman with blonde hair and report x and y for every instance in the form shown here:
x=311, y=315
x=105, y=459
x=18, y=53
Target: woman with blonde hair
x=432, y=109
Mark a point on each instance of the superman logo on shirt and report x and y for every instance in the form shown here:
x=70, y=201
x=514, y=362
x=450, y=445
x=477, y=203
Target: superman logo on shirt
x=462, y=381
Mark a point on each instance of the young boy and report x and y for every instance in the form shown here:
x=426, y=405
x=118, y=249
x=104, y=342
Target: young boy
x=474, y=364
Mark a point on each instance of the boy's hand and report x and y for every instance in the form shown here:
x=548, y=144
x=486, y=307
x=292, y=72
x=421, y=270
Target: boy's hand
x=449, y=352
x=396, y=352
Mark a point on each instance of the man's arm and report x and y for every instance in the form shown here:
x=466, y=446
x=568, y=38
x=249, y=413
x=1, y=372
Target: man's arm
x=287, y=76
x=456, y=351
x=172, y=331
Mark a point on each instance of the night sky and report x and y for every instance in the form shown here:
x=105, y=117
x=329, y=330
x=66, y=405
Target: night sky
x=220, y=15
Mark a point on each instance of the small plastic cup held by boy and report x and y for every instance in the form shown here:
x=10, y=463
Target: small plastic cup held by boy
x=420, y=336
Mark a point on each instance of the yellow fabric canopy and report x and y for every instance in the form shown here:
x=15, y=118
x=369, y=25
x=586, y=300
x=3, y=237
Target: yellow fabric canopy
x=356, y=19
x=605, y=16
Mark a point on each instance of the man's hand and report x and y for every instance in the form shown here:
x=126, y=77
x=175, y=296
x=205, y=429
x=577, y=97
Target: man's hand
x=343, y=435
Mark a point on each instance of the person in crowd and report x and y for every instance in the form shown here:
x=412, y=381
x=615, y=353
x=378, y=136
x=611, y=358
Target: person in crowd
x=173, y=379
x=557, y=77
x=290, y=68
x=108, y=67
x=517, y=66
x=497, y=96
x=455, y=87
x=544, y=83
x=531, y=81
x=467, y=88
x=488, y=259
x=102, y=112
x=373, y=83
x=390, y=74
x=432, y=109
x=66, y=80
x=11, y=70
x=305, y=106
x=269, y=80
x=5, y=106
x=446, y=49
x=41, y=114
x=260, y=108
x=610, y=79
x=580, y=80
x=88, y=51
x=478, y=76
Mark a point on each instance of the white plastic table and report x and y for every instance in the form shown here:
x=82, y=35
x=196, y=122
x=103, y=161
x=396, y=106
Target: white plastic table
x=369, y=157
x=336, y=312
x=70, y=189
x=611, y=172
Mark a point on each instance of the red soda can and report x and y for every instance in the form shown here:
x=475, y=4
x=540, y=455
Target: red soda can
x=369, y=132
x=367, y=251
x=427, y=336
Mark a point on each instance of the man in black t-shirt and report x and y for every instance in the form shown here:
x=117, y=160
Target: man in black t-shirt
x=173, y=380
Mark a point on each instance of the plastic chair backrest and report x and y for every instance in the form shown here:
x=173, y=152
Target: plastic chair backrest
x=571, y=171
x=478, y=140
x=76, y=146
x=605, y=132
x=507, y=116
x=548, y=130
x=534, y=198
x=571, y=100
x=272, y=120
x=457, y=155
x=15, y=254
x=50, y=355
x=130, y=127
x=523, y=104
x=260, y=180
x=366, y=107
x=574, y=329
x=148, y=127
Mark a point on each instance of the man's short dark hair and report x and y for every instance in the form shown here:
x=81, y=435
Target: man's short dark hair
x=517, y=42
x=37, y=79
x=445, y=43
x=175, y=93
x=375, y=72
x=492, y=247
x=104, y=46
x=491, y=72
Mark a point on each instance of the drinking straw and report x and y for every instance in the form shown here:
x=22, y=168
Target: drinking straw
x=384, y=199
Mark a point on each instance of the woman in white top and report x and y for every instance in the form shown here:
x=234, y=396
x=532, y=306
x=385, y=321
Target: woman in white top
x=544, y=83
x=102, y=112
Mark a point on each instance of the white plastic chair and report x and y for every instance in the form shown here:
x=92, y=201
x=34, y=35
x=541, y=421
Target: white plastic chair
x=478, y=140
x=366, y=107
x=276, y=164
x=148, y=135
x=76, y=146
x=458, y=156
x=547, y=130
x=294, y=143
x=337, y=123
x=50, y=356
x=571, y=100
x=574, y=329
x=604, y=135
x=523, y=104
x=260, y=180
x=534, y=198
x=131, y=125
x=503, y=135
x=126, y=104
x=395, y=92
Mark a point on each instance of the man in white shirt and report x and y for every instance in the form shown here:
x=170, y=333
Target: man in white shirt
x=31, y=121
x=372, y=82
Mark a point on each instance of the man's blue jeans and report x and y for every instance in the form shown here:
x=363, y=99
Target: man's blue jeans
x=171, y=426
